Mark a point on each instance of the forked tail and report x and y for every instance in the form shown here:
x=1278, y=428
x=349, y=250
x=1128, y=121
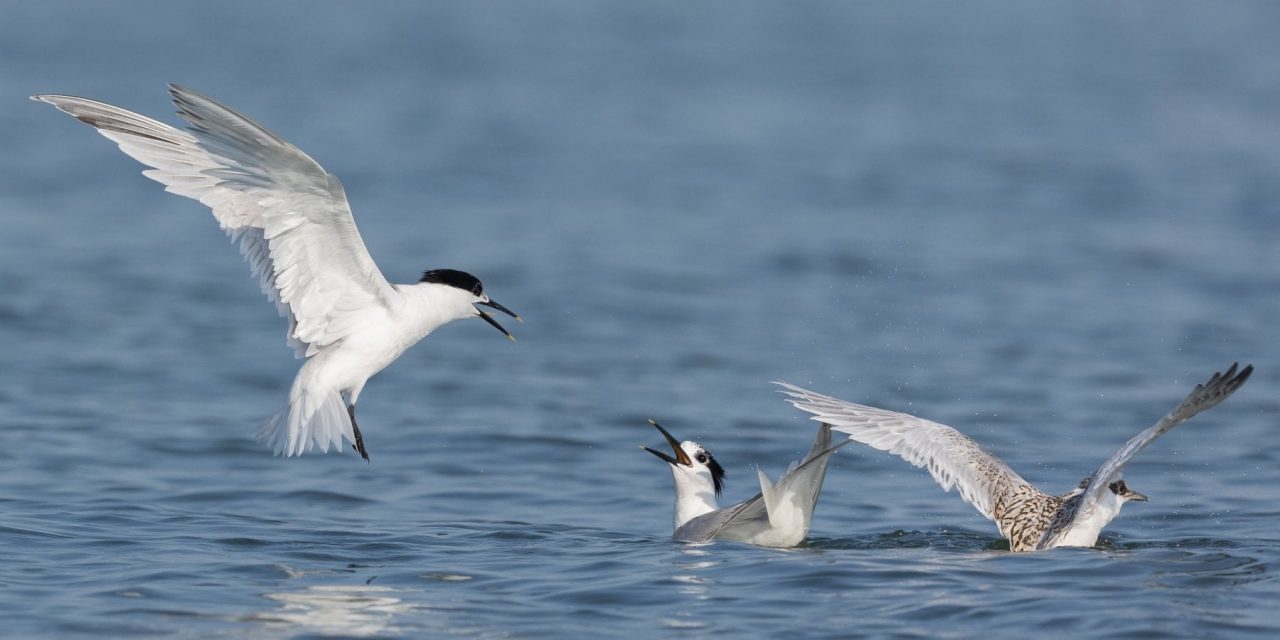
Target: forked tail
x=312, y=419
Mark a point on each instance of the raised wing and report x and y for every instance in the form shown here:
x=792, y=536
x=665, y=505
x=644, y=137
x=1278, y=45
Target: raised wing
x=289, y=216
x=780, y=514
x=953, y=459
x=1204, y=396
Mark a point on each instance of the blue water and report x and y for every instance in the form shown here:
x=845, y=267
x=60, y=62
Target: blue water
x=1041, y=224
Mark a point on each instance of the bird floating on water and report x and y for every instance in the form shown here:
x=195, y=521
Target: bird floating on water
x=295, y=229
x=1028, y=517
x=778, y=516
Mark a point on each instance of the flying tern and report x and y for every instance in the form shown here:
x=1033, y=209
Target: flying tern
x=295, y=229
x=1028, y=517
x=778, y=516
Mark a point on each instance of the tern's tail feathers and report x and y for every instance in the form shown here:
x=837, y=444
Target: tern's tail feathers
x=777, y=502
x=311, y=420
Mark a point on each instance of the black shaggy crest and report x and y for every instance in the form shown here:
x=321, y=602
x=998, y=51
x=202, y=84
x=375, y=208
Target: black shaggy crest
x=454, y=278
x=717, y=473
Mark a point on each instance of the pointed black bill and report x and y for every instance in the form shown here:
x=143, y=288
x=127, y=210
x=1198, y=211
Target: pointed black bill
x=494, y=305
x=680, y=458
x=488, y=318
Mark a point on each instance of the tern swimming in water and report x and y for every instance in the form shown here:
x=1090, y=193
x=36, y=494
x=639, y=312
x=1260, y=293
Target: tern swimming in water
x=778, y=516
x=295, y=229
x=1028, y=517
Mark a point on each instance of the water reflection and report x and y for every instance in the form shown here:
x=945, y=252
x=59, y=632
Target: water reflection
x=343, y=610
x=694, y=588
x=692, y=584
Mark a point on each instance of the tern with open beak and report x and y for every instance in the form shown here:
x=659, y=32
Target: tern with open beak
x=292, y=222
x=778, y=516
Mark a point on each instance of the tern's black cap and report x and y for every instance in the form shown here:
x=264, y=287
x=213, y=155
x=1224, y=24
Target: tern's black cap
x=454, y=278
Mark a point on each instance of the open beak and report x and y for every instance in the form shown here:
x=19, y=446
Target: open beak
x=488, y=318
x=680, y=458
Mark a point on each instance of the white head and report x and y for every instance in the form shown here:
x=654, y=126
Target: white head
x=699, y=478
x=1085, y=526
x=1112, y=498
x=460, y=292
x=1121, y=493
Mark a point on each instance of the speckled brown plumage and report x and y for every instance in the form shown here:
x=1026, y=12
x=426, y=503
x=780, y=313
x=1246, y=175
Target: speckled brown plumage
x=1025, y=513
x=1028, y=517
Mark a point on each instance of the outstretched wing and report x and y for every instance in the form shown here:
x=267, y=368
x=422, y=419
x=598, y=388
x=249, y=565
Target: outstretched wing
x=763, y=518
x=289, y=216
x=952, y=458
x=1204, y=396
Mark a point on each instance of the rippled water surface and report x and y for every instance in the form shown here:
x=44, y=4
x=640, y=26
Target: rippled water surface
x=1041, y=225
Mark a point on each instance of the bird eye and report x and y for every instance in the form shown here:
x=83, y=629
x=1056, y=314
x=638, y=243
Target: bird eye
x=702, y=458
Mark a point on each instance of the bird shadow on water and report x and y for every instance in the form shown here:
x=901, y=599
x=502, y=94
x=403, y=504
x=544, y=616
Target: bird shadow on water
x=970, y=541
x=1198, y=563
x=901, y=539
x=1177, y=563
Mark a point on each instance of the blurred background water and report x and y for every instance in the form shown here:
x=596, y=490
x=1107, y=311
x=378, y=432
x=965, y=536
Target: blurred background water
x=1040, y=223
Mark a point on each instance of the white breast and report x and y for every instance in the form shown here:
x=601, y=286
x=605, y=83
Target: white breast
x=1085, y=530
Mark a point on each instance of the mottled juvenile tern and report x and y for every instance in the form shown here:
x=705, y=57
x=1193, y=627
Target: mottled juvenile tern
x=295, y=229
x=1029, y=518
x=778, y=516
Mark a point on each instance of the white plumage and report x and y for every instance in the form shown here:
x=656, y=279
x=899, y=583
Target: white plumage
x=291, y=220
x=952, y=458
x=778, y=516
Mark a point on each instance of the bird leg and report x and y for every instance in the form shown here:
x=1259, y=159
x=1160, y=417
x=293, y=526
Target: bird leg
x=359, y=443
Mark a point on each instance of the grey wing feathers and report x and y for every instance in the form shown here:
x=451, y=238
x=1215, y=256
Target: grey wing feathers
x=255, y=157
x=752, y=515
x=1204, y=396
x=705, y=527
x=802, y=483
x=289, y=217
x=821, y=443
x=953, y=459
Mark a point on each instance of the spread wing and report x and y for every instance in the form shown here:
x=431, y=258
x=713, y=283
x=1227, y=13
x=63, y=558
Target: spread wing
x=745, y=521
x=952, y=458
x=1204, y=396
x=289, y=216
